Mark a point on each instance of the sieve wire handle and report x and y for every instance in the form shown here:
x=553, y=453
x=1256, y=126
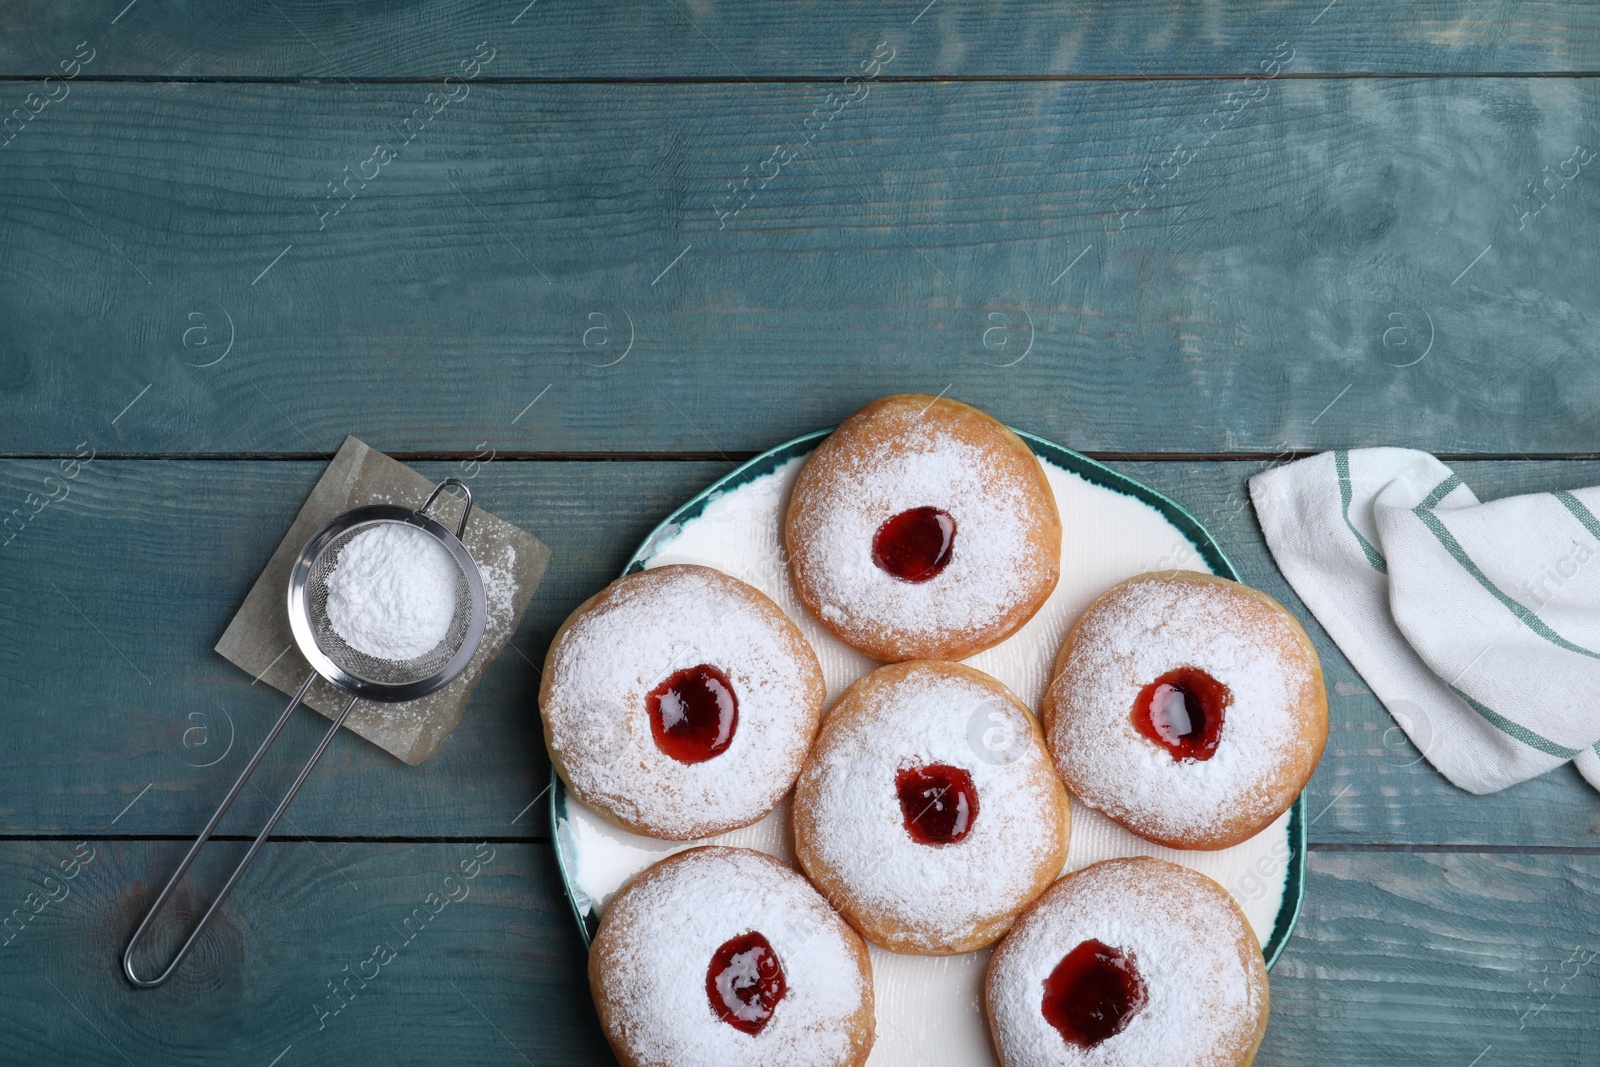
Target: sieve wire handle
x=205, y=835
x=461, y=527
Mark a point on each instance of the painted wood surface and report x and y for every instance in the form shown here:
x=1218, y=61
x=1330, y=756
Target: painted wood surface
x=758, y=39
x=486, y=969
x=594, y=253
x=1416, y=958
x=1334, y=263
x=134, y=575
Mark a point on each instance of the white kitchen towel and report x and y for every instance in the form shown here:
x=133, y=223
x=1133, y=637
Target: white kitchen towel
x=1477, y=625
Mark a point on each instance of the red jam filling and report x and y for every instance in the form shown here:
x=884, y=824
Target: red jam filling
x=1093, y=994
x=1182, y=712
x=693, y=714
x=745, y=982
x=914, y=545
x=939, y=803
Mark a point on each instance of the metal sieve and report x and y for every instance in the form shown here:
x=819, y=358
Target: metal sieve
x=347, y=668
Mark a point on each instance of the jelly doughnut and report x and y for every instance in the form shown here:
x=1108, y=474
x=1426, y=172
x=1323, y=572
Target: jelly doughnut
x=721, y=956
x=1188, y=708
x=921, y=528
x=928, y=812
x=1129, y=962
x=679, y=702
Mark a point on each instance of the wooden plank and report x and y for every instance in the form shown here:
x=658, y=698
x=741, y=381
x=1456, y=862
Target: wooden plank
x=1432, y=959
x=1397, y=958
x=108, y=613
x=1340, y=264
x=321, y=39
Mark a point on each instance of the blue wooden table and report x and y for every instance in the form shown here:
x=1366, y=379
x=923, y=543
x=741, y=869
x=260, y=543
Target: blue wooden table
x=588, y=255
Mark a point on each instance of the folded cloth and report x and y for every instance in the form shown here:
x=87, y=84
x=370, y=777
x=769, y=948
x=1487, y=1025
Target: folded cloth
x=1477, y=625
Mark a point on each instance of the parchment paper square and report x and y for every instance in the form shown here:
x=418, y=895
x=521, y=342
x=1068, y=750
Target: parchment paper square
x=259, y=642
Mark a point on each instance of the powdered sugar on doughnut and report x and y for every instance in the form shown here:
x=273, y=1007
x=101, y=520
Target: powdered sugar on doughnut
x=611, y=657
x=940, y=892
x=1139, y=632
x=1202, y=1003
x=659, y=937
x=992, y=565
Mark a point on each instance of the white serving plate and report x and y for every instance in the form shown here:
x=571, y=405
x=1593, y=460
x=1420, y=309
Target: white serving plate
x=929, y=1009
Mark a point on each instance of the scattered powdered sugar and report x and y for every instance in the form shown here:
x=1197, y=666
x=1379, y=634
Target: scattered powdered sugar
x=499, y=576
x=942, y=892
x=1179, y=928
x=1138, y=633
x=659, y=937
x=993, y=565
x=392, y=592
x=653, y=624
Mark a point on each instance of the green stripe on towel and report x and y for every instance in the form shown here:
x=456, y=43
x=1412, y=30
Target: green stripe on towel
x=1521, y=733
x=1341, y=463
x=1579, y=512
x=1528, y=618
x=1440, y=491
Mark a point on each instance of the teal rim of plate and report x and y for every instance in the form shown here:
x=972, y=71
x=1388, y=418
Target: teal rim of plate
x=1294, y=887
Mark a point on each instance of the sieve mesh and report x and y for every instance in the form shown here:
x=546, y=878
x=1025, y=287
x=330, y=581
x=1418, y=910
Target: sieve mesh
x=372, y=668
